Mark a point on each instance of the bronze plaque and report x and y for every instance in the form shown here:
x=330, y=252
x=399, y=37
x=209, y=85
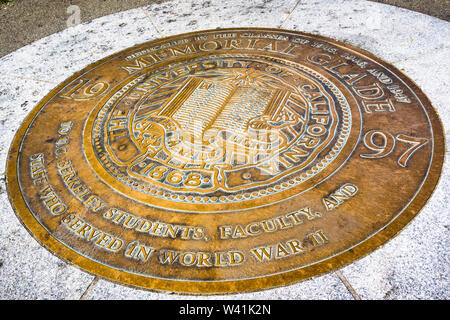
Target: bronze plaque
x=225, y=161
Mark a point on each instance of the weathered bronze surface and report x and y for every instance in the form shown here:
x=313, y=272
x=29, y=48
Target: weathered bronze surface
x=225, y=161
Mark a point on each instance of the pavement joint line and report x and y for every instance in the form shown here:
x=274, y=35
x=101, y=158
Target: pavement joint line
x=422, y=54
x=347, y=285
x=153, y=22
x=89, y=288
x=26, y=78
x=290, y=13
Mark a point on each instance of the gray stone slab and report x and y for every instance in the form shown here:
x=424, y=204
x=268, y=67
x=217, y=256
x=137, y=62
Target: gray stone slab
x=327, y=287
x=57, y=57
x=27, y=270
x=174, y=17
x=391, y=33
x=431, y=72
x=18, y=96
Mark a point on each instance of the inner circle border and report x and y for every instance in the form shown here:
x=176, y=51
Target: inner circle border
x=39, y=232
x=296, y=178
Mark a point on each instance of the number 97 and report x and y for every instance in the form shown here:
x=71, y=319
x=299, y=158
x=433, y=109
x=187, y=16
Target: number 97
x=383, y=143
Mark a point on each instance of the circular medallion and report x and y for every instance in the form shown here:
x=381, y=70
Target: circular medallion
x=225, y=161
